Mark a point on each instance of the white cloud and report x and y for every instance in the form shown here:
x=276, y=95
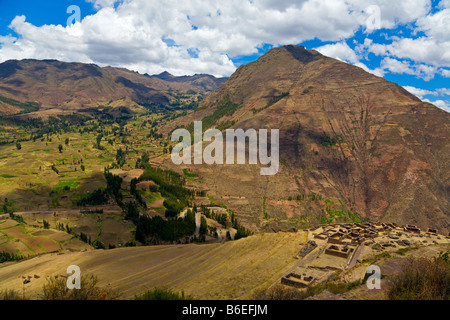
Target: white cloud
x=152, y=36
x=340, y=51
x=419, y=92
x=423, y=71
x=431, y=53
x=440, y=104
x=443, y=91
x=424, y=55
x=445, y=73
x=436, y=25
x=98, y=4
x=444, y=4
x=343, y=52
x=424, y=49
x=396, y=66
x=379, y=72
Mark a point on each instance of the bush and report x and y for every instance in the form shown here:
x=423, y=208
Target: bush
x=97, y=244
x=17, y=218
x=10, y=295
x=7, y=256
x=97, y=197
x=156, y=229
x=279, y=292
x=422, y=279
x=162, y=294
x=56, y=289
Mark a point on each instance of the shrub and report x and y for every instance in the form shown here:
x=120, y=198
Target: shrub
x=279, y=292
x=422, y=279
x=17, y=218
x=56, y=289
x=162, y=294
x=97, y=197
x=10, y=295
x=7, y=256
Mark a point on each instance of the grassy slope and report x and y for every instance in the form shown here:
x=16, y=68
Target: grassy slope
x=232, y=270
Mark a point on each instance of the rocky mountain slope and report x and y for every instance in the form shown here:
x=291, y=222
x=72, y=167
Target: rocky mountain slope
x=54, y=87
x=352, y=145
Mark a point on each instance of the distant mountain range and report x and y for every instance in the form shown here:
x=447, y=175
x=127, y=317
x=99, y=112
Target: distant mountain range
x=60, y=87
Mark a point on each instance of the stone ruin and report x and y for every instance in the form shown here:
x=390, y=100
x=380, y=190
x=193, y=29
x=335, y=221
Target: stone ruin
x=296, y=280
x=355, y=233
x=310, y=246
x=344, y=240
x=410, y=228
x=339, y=251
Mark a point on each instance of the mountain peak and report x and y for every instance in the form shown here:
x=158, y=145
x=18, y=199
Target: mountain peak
x=165, y=76
x=302, y=54
x=299, y=53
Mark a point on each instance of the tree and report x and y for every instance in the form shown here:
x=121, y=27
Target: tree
x=60, y=148
x=99, y=140
x=120, y=157
x=142, y=162
x=131, y=211
x=67, y=141
x=203, y=226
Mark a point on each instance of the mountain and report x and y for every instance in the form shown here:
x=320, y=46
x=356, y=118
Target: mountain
x=205, y=81
x=353, y=146
x=53, y=87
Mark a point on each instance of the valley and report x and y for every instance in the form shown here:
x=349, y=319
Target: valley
x=87, y=178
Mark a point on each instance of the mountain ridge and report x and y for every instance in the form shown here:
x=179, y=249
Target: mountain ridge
x=66, y=87
x=350, y=136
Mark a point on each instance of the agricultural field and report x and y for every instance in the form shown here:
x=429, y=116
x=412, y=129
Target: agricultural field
x=30, y=239
x=41, y=176
x=49, y=183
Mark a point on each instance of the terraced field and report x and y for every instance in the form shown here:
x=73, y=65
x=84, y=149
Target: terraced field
x=38, y=176
x=230, y=270
x=30, y=240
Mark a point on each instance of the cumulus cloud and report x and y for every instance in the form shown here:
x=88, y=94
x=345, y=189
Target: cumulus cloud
x=423, y=71
x=420, y=93
x=423, y=49
x=343, y=52
x=202, y=36
x=440, y=104
x=429, y=52
x=340, y=51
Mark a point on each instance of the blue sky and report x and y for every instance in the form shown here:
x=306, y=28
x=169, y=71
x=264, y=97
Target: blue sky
x=407, y=42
